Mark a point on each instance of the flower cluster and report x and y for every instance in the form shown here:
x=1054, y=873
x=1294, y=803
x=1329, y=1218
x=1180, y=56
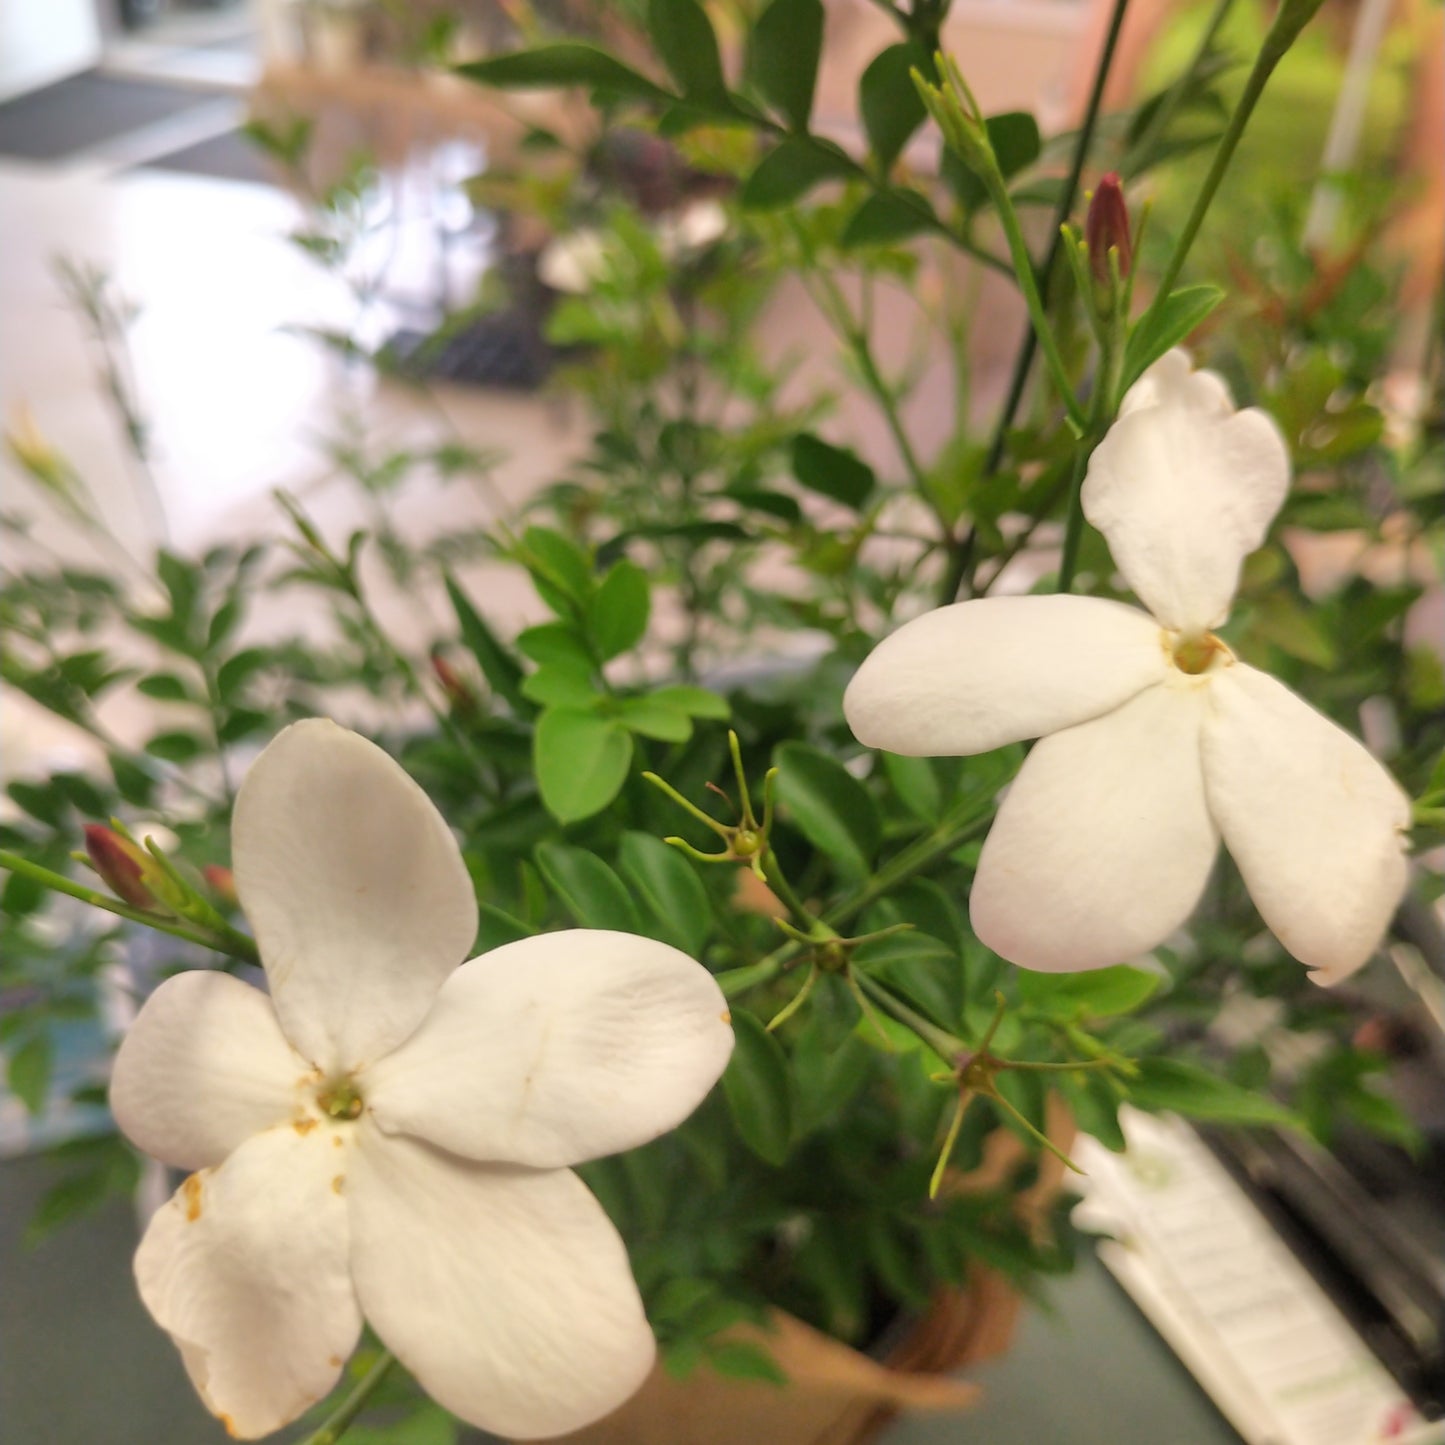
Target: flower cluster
x=386, y=1135
x=1157, y=742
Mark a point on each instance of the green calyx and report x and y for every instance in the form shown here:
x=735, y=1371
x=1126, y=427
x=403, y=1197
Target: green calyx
x=341, y=1100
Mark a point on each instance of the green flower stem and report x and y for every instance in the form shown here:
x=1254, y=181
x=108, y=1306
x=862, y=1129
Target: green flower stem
x=1000, y=1007
x=902, y=867
x=1024, y=360
x=689, y=807
x=1036, y=1134
x=778, y=882
x=1074, y=526
x=1033, y=298
x=836, y=310
x=949, y=1047
x=223, y=940
x=1289, y=21
x=1067, y=1066
x=1111, y=351
x=935, y=1182
x=736, y=981
x=344, y=1416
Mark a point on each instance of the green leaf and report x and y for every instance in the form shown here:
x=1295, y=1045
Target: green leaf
x=669, y=886
x=1199, y=1094
x=224, y=623
x=1295, y=630
x=241, y=722
x=175, y=747
x=1166, y=327
x=694, y=701
x=234, y=672
x=28, y=1071
x=1099, y=993
x=916, y=784
x=1095, y=1109
x=581, y=761
x=759, y=1090
x=549, y=66
x=498, y=927
x=133, y=783
x=164, y=687
x=791, y=169
x=783, y=52
x=561, y=687
x=499, y=667
x=619, y=609
x=888, y=101
x=555, y=644
x=829, y=806
x=744, y=1360
x=887, y=217
x=587, y=888
x=557, y=563
x=1014, y=136
x=42, y=801
x=653, y=719
x=182, y=581
x=832, y=471
x=684, y=39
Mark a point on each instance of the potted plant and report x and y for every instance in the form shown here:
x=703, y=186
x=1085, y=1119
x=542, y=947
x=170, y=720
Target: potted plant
x=703, y=746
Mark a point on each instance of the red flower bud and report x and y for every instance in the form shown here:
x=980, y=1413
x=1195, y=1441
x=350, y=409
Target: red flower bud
x=120, y=865
x=458, y=693
x=222, y=883
x=1106, y=227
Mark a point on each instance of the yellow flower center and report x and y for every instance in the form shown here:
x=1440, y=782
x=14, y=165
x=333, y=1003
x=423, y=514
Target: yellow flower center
x=1195, y=655
x=340, y=1099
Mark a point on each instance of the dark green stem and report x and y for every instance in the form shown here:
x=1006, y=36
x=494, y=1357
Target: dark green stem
x=1074, y=526
x=949, y=1047
x=777, y=880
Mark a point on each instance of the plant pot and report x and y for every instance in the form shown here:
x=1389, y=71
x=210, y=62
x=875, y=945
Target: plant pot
x=837, y=1395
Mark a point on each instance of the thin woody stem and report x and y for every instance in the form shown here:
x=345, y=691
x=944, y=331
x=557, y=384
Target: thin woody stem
x=344, y=1416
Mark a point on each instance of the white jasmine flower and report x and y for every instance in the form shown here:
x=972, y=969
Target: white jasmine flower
x=1156, y=740
x=387, y=1135
x=574, y=263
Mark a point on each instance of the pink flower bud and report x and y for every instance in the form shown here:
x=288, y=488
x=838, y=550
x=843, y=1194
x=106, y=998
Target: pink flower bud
x=1107, y=226
x=120, y=864
x=222, y=883
x=458, y=693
